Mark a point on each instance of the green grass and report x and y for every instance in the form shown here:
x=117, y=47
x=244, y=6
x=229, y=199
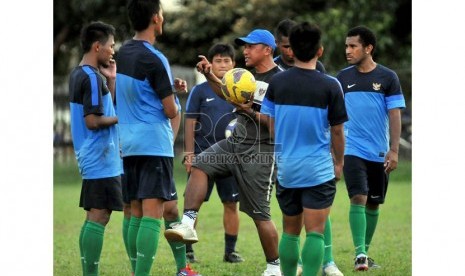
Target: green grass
x=391, y=246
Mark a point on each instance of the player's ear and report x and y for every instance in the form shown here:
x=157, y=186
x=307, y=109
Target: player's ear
x=320, y=51
x=96, y=46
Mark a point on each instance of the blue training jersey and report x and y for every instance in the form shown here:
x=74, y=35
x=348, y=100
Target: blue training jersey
x=304, y=104
x=368, y=98
x=143, y=81
x=212, y=114
x=97, y=151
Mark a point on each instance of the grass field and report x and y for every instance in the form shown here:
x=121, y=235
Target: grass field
x=391, y=246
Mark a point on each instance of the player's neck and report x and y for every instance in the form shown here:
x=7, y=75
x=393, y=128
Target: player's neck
x=265, y=66
x=146, y=35
x=88, y=59
x=311, y=64
x=367, y=65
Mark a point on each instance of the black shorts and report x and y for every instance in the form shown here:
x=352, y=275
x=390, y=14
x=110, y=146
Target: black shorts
x=226, y=188
x=365, y=177
x=149, y=177
x=101, y=193
x=292, y=201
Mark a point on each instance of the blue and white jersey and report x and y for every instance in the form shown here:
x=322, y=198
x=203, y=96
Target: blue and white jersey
x=143, y=80
x=212, y=114
x=304, y=104
x=97, y=151
x=369, y=97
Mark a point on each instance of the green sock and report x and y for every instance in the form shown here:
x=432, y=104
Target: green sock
x=125, y=234
x=92, y=242
x=328, y=257
x=289, y=253
x=133, y=229
x=372, y=221
x=147, y=243
x=80, y=245
x=178, y=249
x=358, y=226
x=312, y=254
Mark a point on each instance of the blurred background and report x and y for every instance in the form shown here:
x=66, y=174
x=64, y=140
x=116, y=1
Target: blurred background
x=192, y=26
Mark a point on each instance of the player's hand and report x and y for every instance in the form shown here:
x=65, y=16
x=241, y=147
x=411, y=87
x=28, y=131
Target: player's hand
x=390, y=162
x=338, y=171
x=187, y=161
x=109, y=71
x=245, y=107
x=203, y=66
x=180, y=85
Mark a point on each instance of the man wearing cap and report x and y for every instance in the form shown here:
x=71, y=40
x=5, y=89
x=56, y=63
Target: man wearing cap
x=248, y=154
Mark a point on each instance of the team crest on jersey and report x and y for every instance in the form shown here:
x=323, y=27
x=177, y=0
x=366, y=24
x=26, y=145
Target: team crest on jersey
x=376, y=86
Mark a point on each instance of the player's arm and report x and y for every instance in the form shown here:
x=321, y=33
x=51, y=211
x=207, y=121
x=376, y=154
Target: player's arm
x=169, y=106
x=175, y=124
x=270, y=125
x=204, y=67
x=395, y=127
x=189, y=126
x=94, y=121
x=337, y=148
x=110, y=74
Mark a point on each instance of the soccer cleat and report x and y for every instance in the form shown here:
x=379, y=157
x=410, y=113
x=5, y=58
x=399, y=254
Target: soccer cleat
x=233, y=257
x=361, y=263
x=299, y=270
x=330, y=269
x=180, y=232
x=191, y=257
x=372, y=264
x=188, y=271
x=270, y=272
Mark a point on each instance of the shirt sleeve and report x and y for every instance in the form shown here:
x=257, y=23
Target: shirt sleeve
x=193, y=103
x=337, y=113
x=268, y=102
x=92, y=95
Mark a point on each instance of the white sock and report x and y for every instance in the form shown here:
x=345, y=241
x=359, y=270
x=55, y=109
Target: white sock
x=189, y=217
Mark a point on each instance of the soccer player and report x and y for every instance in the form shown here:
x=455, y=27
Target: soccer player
x=305, y=99
x=207, y=116
x=251, y=147
x=286, y=61
x=373, y=98
x=95, y=138
x=147, y=108
x=286, y=58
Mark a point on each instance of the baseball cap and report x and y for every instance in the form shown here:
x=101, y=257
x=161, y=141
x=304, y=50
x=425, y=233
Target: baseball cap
x=257, y=36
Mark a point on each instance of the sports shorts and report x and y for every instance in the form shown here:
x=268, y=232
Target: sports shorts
x=101, y=193
x=226, y=188
x=149, y=177
x=365, y=177
x=252, y=166
x=292, y=201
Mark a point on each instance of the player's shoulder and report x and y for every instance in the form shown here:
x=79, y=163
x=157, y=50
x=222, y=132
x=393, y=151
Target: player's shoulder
x=381, y=69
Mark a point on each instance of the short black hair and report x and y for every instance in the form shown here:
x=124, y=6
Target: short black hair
x=222, y=49
x=141, y=11
x=95, y=31
x=367, y=36
x=305, y=40
x=283, y=28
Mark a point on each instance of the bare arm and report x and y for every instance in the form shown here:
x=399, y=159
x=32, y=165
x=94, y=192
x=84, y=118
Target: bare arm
x=204, y=67
x=110, y=74
x=395, y=127
x=189, y=126
x=337, y=149
x=94, y=122
x=170, y=107
x=270, y=125
x=175, y=123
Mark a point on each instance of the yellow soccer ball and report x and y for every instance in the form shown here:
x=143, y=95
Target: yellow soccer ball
x=238, y=85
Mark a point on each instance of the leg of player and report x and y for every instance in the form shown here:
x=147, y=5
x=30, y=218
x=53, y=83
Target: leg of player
x=194, y=196
x=329, y=266
x=372, y=214
x=313, y=249
x=231, y=231
x=171, y=215
x=357, y=221
x=289, y=245
x=268, y=235
x=92, y=239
